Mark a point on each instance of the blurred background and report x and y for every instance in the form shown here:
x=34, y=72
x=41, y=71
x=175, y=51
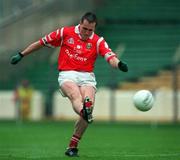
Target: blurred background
x=144, y=33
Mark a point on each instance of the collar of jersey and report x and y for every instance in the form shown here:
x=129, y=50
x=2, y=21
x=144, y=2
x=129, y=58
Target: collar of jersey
x=78, y=32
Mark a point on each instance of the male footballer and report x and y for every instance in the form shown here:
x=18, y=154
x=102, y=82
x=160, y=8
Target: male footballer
x=79, y=48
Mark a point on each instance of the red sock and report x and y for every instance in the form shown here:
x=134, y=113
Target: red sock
x=74, y=141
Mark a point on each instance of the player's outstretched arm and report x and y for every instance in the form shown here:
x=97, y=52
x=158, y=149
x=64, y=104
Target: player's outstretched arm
x=31, y=48
x=116, y=63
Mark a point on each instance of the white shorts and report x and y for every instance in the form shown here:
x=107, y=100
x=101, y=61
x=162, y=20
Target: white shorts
x=80, y=78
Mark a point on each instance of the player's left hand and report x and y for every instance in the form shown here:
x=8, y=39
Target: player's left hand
x=16, y=58
x=123, y=66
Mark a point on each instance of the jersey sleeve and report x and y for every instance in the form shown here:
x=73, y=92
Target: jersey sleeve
x=52, y=39
x=104, y=50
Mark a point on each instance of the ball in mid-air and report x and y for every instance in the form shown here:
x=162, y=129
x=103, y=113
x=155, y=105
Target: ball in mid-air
x=143, y=100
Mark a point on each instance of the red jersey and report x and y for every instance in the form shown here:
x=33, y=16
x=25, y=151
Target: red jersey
x=76, y=54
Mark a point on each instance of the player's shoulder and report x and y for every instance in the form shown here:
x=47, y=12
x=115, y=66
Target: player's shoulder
x=96, y=36
x=69, y=28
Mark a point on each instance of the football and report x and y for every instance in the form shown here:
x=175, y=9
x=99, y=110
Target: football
x=143, y=100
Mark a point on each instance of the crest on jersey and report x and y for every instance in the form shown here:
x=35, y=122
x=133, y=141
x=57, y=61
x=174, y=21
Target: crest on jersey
x=89, y=45
x=70, y=41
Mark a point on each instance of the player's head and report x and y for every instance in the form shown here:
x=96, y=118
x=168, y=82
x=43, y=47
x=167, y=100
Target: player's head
x=88, y=24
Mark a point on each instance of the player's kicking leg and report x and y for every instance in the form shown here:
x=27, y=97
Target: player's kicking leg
x=87, y=110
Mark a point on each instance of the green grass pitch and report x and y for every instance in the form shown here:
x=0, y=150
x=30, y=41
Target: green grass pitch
x=48, y=140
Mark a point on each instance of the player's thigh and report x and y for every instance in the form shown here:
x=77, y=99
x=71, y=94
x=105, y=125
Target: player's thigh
x=71, y=90
x=89, y=91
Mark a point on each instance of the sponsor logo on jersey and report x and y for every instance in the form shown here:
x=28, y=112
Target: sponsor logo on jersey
x=75, y=56
x=78, y=49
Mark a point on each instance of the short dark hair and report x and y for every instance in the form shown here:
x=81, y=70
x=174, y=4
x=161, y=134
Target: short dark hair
x=90, y=17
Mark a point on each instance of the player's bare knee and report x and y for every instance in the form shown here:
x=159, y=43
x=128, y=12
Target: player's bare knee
x=75, y=96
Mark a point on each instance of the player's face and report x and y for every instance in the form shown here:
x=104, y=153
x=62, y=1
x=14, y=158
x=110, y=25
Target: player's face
x=86, y=29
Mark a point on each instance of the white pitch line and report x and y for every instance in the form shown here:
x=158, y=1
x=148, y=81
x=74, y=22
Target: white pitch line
x=153, y=155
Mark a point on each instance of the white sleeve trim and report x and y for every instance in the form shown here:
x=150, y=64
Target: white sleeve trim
x=62, y=29
x=49, y=37
x=44, y=39
x=57, y=32
x=98, y=43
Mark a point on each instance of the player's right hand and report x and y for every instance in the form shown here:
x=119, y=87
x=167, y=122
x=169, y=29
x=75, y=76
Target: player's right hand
x=16, y=58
